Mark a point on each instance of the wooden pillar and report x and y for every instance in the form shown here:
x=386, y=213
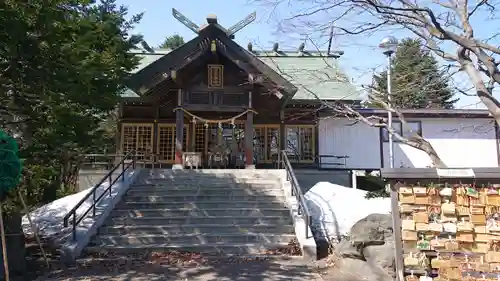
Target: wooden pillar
x=249, y=136
x=179, y=132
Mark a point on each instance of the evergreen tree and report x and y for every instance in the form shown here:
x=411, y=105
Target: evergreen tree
x=63, y=64
x=417, y=81
x=172, y=42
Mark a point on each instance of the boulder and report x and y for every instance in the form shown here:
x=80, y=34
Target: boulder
x=374, y=229
x=382, y=256
x=345, y=249
x=368, y=252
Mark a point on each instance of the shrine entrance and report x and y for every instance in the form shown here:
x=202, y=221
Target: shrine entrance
x=209, y=101
x=217, y=140
x=224, y=139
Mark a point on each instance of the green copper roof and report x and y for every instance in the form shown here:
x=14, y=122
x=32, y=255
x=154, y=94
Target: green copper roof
x=310, y=72
x=316, y=76
x=148, y=58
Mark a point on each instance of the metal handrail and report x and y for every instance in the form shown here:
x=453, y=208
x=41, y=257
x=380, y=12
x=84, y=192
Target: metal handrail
x=343, y=158
x=303, y=210
x=100, y=160
x=125, y=166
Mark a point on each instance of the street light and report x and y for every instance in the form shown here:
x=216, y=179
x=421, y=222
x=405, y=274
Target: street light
x=389, y=45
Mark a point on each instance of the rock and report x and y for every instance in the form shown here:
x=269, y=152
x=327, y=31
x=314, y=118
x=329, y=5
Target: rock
x=371, y=230
x=345, y=249
x=347, y=269
x=368, y=253
x=382, y=256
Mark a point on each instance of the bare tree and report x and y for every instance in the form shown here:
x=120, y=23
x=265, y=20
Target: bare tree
x=446, y=27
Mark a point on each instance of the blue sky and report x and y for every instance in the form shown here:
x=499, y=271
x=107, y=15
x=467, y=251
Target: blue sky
x=361, y=54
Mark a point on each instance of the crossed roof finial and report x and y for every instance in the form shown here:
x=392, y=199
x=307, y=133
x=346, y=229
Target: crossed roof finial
x=212, y=19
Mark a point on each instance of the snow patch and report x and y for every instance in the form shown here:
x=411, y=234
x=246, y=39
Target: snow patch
x=48, y=219
x=335, y=208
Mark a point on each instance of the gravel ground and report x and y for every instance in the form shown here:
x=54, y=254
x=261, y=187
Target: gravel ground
x=261, y=270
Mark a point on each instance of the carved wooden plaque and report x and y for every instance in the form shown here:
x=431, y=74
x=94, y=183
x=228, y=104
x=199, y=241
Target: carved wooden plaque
x=215, y=76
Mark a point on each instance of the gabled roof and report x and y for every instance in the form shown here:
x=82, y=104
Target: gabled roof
x=308, y=71
x=160, y=69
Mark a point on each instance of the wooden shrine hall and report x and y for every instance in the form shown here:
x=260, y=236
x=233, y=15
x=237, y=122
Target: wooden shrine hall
x=234, y=106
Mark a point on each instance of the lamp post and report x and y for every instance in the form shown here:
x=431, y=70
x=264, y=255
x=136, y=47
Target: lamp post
x=389, y=45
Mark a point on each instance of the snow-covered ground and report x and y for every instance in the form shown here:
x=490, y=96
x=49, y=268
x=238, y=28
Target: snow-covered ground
x=48, y=219
x=335, y=208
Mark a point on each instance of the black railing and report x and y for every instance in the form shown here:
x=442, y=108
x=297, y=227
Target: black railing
x=125, y=165
x=99, y=161
x=339, y=161
x=303, y=210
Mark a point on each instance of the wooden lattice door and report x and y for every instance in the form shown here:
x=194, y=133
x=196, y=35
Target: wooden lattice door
x=200, y=140
x=138, y=137
x=259, y=143
x=300, y=144
x=266, y=143
x=166, y=142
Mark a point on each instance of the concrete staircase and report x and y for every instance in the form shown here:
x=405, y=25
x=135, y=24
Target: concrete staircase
x=213, y=212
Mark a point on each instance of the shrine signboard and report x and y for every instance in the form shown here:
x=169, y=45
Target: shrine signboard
x=446, y=223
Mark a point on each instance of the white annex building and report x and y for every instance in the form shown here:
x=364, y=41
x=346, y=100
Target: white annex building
x=462, y=138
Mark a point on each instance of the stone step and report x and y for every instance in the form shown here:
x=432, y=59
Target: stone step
x=191, y=239
x=125, y=204
x=211, y=249
x=168, y=173
x=203, y=192
x=214, y=176
x=252, y=212
x=167, y=198
x=207, y=185
x=195, y=229
x=226, y=220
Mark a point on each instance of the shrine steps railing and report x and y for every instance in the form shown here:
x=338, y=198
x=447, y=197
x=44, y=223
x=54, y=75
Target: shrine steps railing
x=303, y=210
x=126, y=162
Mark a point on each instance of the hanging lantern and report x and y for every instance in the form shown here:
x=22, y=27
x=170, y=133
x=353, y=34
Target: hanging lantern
x=213, y=46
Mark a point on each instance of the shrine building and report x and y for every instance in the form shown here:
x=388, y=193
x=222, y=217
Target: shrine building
x=236, y=106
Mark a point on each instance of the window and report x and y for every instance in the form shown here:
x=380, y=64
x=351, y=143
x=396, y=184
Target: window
x=410, y=128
